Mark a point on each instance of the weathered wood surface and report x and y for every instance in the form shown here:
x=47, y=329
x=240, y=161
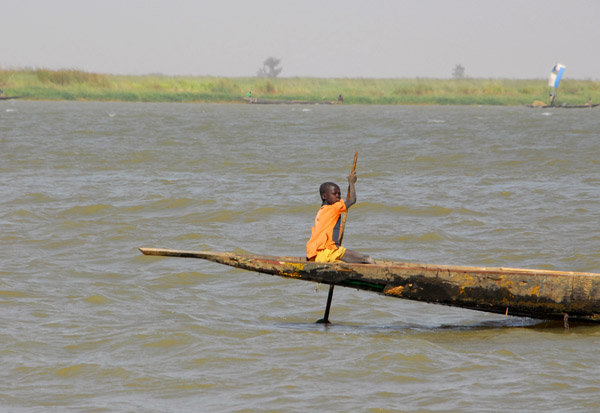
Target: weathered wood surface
x=542, y=294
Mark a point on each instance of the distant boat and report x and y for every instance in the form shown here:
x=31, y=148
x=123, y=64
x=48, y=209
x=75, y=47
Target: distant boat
x=541, y=294
x=564, y=106
x=287, y=102
x=556, y=75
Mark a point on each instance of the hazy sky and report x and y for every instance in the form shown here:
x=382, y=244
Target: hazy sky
x=317, y=38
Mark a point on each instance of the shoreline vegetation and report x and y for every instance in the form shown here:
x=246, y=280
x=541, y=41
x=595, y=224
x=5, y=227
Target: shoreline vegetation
x=68, y=84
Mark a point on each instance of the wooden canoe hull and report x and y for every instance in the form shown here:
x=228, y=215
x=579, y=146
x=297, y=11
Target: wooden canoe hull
x=540, y=294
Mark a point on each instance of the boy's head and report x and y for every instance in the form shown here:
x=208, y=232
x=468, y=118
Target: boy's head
x=330, y=193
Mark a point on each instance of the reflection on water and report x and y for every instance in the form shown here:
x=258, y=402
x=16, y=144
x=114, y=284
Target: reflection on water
x=90, y=324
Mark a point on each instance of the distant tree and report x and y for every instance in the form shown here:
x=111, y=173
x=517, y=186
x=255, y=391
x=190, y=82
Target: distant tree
x=270, y=68
x=458, y=72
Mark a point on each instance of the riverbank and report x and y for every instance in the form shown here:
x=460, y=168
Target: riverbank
x=43, y=84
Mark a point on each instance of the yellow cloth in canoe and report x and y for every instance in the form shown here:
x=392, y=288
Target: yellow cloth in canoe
x=328, y=255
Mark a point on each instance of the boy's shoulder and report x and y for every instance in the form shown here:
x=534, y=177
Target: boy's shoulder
x=341, y=204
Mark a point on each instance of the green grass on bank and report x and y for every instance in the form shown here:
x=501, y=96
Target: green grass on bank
x=43, y=84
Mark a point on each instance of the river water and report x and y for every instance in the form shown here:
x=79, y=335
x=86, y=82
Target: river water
x=89, y=324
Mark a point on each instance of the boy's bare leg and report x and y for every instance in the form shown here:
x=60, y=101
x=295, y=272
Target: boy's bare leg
x=356, y=257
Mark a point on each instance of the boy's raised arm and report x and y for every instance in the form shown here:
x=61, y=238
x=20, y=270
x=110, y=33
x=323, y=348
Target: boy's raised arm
x=351, y=198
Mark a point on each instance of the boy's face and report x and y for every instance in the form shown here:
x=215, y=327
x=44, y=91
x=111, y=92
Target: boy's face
x=332, y=195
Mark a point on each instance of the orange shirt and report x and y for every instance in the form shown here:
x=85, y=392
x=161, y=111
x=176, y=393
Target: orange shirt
x=323, y=231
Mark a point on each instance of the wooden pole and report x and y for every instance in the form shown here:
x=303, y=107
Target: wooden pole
x=345, y=214
x=325, y=319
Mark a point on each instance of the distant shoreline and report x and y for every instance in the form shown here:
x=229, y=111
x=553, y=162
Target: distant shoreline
x=75, y=85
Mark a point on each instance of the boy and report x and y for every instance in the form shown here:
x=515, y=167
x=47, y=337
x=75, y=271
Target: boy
x=323, y=245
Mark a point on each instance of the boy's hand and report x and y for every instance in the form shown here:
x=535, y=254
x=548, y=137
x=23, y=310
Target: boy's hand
x=352, y=178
